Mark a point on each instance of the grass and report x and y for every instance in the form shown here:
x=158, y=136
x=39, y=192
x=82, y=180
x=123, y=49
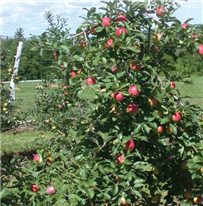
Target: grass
x=192, y=93
x=24, y=140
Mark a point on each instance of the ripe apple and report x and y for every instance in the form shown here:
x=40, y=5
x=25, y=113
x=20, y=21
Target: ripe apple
x=194, y=36
x=120, y=159
x=172, y=85
x=53, y=127
x=123, y=201
x=132, y=109
x=109, y=43
x=184, y=25
x=113, y=69
x=156, y=49
x=133, y=91
x=160, y=10
x=159, y=130
x=134, y=66
x=169, y=130
x=187, y=194
x=200, y=49
x=160, y=113
x=106, y=21
x=120, y=30
x=34, y=188
x=42, y=136
x=10, y=69
x=129, y=145
x=176, y=117
x=73, y=74
x=55, y=56
x=157, y=38
x=197, y=200
x=60, y=106
x=153, y=102
x=112, y=95
x=46, y=121
x=5, y=104
x=37, y=158
x=51, y=190
x=2, y=83
x=90, y=80
x=121, y=18
x=65, y=93
x=64, y=86
x=118, y=96
x=79, y=71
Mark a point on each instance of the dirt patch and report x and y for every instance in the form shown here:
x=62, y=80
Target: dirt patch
x=16, y=88
x=39, y=87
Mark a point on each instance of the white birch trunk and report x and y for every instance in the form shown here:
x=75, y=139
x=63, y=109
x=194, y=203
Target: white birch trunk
x=15, y=70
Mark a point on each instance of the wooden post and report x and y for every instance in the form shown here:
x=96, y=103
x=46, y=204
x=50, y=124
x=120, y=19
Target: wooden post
x=15, y=70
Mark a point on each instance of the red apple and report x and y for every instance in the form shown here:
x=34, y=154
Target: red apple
x=160, y=113
x=55, y=56
x=169, y=130
x=113, y=69
x=64, y=86
x=73, y=74
x=176, y=117
x=159, y=129
x=120, y=159
x=156, y=49
x=129, y=145
x=62, y=66
x=34, y=188
x=90, y=80
x=60, y=106
x=109, y=43
x=200, y=49
x=2, y=83
x=172, y=85
x=37, y=158
x=184, y=25
x=118, y=96
x=194, y=36
x=132, y=109
x=197, y=200
x=153, y=102
x=134, y=66
x=133, y=91
x=79, y=71
x=121, y=18
x=10, y=69
x=51, y=190
x=160, y=10
x=120, y=30
x=106, y=21
x=65, y=93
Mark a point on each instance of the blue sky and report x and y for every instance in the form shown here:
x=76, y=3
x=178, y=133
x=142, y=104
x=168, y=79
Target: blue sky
x=29, y=14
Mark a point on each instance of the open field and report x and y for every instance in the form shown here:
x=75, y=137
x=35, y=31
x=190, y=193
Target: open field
x=24, y=141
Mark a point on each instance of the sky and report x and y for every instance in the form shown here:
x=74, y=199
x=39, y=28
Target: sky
x=29, y=14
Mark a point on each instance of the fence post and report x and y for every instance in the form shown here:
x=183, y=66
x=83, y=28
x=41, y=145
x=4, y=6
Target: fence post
x=15, y=70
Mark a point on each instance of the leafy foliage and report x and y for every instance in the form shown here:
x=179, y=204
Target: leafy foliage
x=94, y=117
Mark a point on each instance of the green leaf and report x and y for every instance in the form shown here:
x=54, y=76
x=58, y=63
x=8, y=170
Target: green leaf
x=115, y=191
x=146, y=128
x=78, y=58
x=4, y=192
x=90, y=193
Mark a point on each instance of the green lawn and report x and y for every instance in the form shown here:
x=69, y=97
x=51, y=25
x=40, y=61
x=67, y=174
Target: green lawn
x=192, y=93
x=24, y=140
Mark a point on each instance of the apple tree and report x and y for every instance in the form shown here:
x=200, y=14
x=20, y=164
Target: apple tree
x=123, y=135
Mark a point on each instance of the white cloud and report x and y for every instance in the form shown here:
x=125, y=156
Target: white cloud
x=29, y=14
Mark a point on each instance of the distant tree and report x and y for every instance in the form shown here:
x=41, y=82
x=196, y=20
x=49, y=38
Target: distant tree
x=19, y=33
